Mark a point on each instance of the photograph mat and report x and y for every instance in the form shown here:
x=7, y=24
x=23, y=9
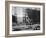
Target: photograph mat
x=27, y=31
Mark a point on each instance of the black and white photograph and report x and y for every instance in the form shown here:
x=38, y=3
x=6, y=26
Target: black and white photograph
x=25, y=18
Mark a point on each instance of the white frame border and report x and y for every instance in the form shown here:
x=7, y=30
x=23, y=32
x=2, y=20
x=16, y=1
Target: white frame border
x=25, y=32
